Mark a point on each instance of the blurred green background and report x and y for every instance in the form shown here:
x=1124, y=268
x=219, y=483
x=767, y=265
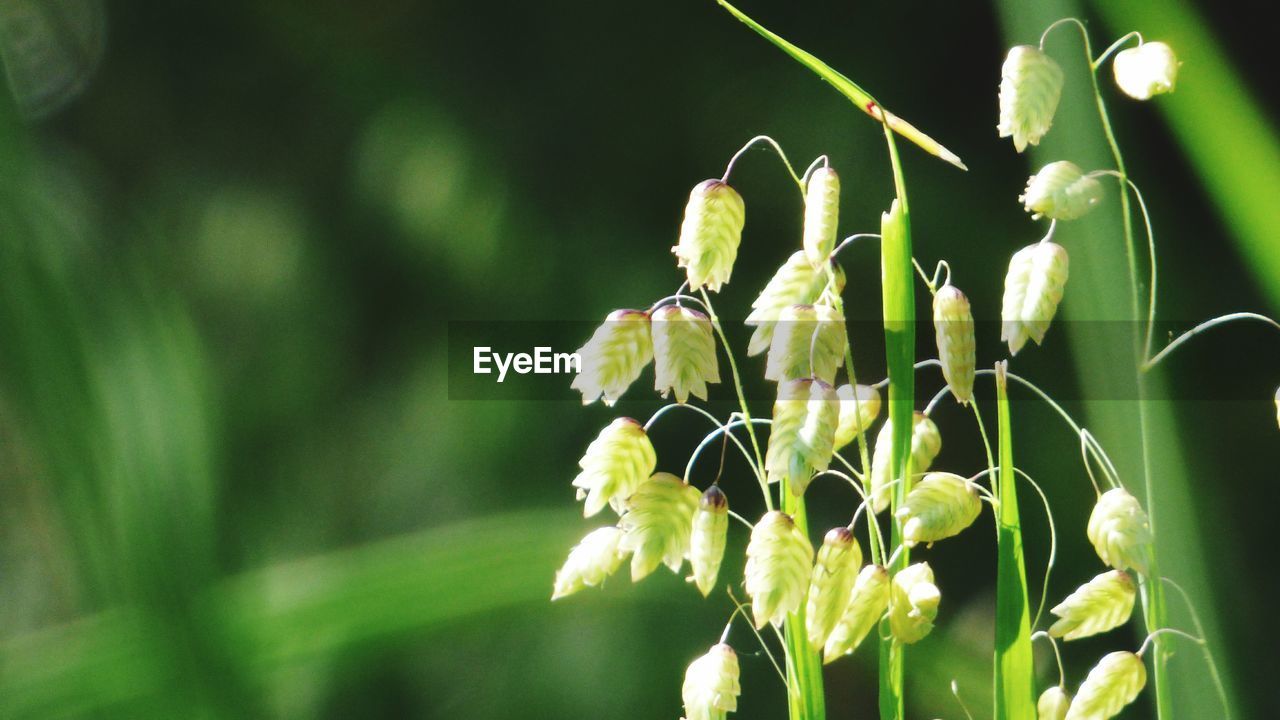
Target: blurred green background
x=232, y=479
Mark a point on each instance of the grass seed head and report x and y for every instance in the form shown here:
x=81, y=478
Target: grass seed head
x=1120, y=531
x=1033, y=288
x=1060, y=191
x=684, y=352
x=832, y=584
x=711, y=686
x=1102, y=604
x=614, y=465
x=859, y=407
x=957, y=346
x=801, y=440
x=1146, y=71
x=593, y=559
x=926, y=443
x=1112, y=684
x=939, y=506
x=710, y=531
x=779, y=565
x=614, y=356
x=710, y=234
x=1053, y=704
x=867, y=604
x=658, y=524
x=913, y=603
x=795, y=283
x=808, y=341
x=1030, y=88
x=821, y=215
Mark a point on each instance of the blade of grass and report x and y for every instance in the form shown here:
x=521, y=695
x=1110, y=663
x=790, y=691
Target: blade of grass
x=1014, y=673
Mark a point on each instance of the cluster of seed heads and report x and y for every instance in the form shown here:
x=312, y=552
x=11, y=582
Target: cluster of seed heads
x=800, y=327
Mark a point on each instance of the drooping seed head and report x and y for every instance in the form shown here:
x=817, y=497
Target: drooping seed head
x=795, y=283
x=821, y=215
x=926, y=443
x=779, y=564
x=1030, y=88
x=801, y=440
x=859, y=407
x=1033, y=288
x=938, y=507
x=684, y=352
x=1146, y=71
x=1102, y=604
x=710, y=530
x=658, y=524
x=867, y=604
x=614, y=356
x=957, y=347
x=808, y=341
x=710, y=234
x=1112, y=684
x=1120, y=531
x=592, y=560
x=832, y=584
x=1061, y=191
x=711, y=686
x=913, y=603
x=1053, y=704
x=614, y=465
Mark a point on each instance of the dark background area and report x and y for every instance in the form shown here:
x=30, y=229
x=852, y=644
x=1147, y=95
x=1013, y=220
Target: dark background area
x=234, y=482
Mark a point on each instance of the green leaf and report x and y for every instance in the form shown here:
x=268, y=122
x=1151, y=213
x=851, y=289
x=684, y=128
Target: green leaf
x=1014, y=673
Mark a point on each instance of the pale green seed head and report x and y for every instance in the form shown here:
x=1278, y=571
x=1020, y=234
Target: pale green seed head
x=802, y=437
x=1102, y=604
x=808, y=341
x=684, y=352
x=1111, y=685
x=1033, y=288
x=593, y=559
x=614, y=356
x=867, y=604
x=1061, y=191
x=795, y=283
x=1053, y=704
x=926, y=443
x=1146, y=71
x=1030, y=88
x=913, y=603
x=859, y=407
x=710, y=531
x=832, y=584
x=779, y=566
x=821, y=215
x=938, y=507
x=957, y=345
x=1120, y=531
x=710, y=234
x=658, y=524
x=614, y=465
x=711, y=686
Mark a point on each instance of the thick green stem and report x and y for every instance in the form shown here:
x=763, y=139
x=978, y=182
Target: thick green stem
x=805, y=700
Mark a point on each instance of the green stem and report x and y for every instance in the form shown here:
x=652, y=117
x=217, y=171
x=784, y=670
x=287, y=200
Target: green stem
x=805, y=700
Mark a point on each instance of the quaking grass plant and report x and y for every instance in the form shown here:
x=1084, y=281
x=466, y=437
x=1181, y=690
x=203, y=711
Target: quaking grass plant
x=822, y=604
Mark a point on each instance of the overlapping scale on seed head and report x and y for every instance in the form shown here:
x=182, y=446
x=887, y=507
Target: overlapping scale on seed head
x=710, y=234
x=801, y=439
x=592, y=560
x=684, y=352
x=1053, y=704
x=940, y=506
x=1033, y=288
x=834, y=573
x=1102, y=604
x=957, y=346
x=1030, y=88
x=808, y=341
x=867, y=604
x=614, y=356
x=859, y=407
x=711, y=686
x=1120, y=531
x=926, y=443
x=795, y=283
x=658, y=524
x=821, y=215
x=913, y=603
x=710, y=531
x=1111, y=685
x=779, y=564
x=1060, y=191
x=1146, y=71
x=614, y=465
